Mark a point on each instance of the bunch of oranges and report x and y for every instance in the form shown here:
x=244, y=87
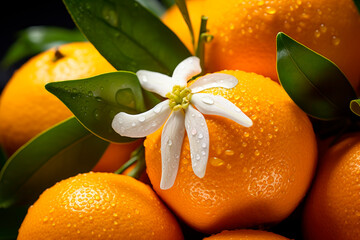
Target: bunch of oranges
x=255, y=177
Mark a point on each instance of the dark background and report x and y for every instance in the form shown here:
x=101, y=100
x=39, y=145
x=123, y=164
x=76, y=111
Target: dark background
x=18, y=15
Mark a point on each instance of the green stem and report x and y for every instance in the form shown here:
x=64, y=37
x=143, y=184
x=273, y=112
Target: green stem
x=140, y=166
x=204, y=37
x=138, y=157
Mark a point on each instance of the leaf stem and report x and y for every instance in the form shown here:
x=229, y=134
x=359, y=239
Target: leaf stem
x=204, y=37
x=138, y=157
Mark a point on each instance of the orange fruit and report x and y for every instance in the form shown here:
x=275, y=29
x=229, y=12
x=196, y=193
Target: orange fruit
x=332, y=210
x=26, y=108
x=255, y=175
x=99, y=206
x=246, y=234
x=245, y=31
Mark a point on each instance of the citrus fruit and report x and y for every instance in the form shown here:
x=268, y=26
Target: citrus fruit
x=99, y=206
x=255, y=175
x=246, y=234
x=245, y=32
x=26, y=108
x=332, y=210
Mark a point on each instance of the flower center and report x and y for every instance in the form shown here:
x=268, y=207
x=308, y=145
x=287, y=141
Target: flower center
x=179, y=98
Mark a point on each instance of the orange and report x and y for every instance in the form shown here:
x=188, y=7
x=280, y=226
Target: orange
x=26, y=108
x=332, y=210
x=255, y=175
x=99, y=206
x=246, y=234
x=245, y=30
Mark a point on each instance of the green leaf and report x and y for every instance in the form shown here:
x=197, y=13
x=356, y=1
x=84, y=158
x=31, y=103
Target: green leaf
x=96, y=100
x=357, y=3
x=313, y=82
x=128, y=35
x=355, y=106
x=58, y=153
x=38, y=39
x=154, y=6
x=10, y=221
x=185, y=13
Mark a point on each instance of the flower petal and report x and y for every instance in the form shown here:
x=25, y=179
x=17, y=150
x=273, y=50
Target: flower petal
x=198, y=135
x=186, y=69
x=143, y=124
x=214, y=80
x=155, y=82
x=217, y=105
x=171, y=142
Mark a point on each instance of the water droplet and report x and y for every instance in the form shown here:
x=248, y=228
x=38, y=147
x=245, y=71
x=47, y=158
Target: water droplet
x=193, y=132
x=97, y=114
x=229, y=152
x=232, y=26
x=45, y=219
x=245, y=170
x=323, y=28
x=317, y=33
x=257, y=153
x=270, y=10
x=335, y=41
x=228, y=166
x=133, y=124
x=203, y=145
x=125, y=97
x=260, y=3
x=208, y=100
x=169, y=142
x=216, y=162
x=110, y=15
x=197, y=157
x=244, y=144
x=200, y=136
x=116, y=223
x=246, y=134
x=137, y=211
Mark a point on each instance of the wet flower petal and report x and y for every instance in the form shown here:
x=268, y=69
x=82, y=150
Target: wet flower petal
x=155, y=82
x=143, y=124
x=198, y=135
x=214, y=80
x=217, y=105
x=171, y=142
x=186, y=69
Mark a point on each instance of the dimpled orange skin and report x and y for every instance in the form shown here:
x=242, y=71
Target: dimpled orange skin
x=254, y=175
x=99, y=206
x=332, y=210
x=246, y=234
x=26, y=108
x=245, y=32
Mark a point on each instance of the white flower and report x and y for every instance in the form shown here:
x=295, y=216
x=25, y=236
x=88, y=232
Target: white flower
x=183, y=116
